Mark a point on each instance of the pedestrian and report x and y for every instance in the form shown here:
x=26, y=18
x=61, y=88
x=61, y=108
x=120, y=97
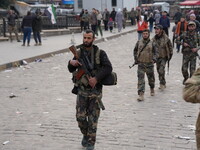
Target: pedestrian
x=27, y=28
x=165, y=52
x=99, y=18
x=189, y=40
x=89, y=92
x=12, y=25
x=110, y=24
x=93, y=20
x=193, y=18
x=113, y=15
x=177, y=16
x=37, y=28
x=85, y=19
x=165, y=22
x=174, y=33
x=151, y=20
x=125, y=14
x=191, y=94
x=106, y=16
x=81, y=20
x=133, y=16
x=145, y=54
x=119, y=18
x=141, y=25
x=157, y=17
x=180, y=29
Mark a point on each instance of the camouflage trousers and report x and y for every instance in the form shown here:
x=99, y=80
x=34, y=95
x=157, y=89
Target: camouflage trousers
x=198, y=132
x=13, y=29
x=189, y=62
x=87, y=115
x=147, y=68
x=160, y=66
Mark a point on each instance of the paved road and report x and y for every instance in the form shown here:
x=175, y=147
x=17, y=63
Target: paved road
x=42, y=115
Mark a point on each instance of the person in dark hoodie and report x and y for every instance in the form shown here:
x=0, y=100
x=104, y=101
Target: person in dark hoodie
x=165, y=22
x=27, y=28
x=37, y=27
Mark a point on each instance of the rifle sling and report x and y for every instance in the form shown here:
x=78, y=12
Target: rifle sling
x=144, y=47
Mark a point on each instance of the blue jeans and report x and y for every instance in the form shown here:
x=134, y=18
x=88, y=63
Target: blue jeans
x=151, y=27
x=139, y=36
x=27, y=34
x=37, y=37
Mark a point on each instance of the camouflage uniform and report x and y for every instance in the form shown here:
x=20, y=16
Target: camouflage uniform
x=165, y=51
x=191, y=94
x=189, y=57
x=145, y=59
x=89, y=100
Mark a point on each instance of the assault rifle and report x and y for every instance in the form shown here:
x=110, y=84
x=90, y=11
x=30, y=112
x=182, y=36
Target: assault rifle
x=85, y=68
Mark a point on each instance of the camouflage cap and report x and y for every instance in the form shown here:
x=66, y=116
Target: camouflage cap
x=192, y=23
x=158, y=27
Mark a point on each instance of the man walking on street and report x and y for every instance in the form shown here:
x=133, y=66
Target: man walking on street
x=165, y=22
x=93, y=20
x=145, y=54
x=89, y=88
x=106, y=16
x=12, y=25
x=165, y=52
x=190, y=40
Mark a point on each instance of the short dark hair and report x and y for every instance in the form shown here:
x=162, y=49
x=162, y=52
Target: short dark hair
x=90, y=31
x=146, y=30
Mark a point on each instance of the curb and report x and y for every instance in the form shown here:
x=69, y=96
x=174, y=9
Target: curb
x=18, y=63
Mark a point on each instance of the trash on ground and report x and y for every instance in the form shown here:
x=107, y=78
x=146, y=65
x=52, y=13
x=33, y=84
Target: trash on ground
x=12, y=95
x=183, y=137
x=45, y=112
x=8, y=71
x=6, y=142
x=172, y=110
x=59, y=99
x=192, y=127
x=24, y=62
x=38, y=60
x=173, y=101
x=18, y=112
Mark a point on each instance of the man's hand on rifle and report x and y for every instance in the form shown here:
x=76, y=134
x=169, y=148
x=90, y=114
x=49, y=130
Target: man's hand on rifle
x=75, y=63
x=92, y=81
x=194, y=50
x=186, y=44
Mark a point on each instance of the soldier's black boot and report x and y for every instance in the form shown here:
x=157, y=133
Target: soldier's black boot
x=90, y=147
x=84, y=142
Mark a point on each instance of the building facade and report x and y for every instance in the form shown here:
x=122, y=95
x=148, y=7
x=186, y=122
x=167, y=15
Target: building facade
x=102, y=4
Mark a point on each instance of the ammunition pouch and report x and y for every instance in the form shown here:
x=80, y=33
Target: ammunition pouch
x=110, y=79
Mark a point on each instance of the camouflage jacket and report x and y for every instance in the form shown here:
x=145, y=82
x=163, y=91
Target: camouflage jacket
x=164, y=46
x=145, y=55
x=192, y=39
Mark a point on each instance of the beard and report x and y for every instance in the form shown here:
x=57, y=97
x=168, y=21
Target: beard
x=86, y=44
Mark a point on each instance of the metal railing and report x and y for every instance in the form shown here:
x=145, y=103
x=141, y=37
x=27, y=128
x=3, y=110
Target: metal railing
x=61, y=22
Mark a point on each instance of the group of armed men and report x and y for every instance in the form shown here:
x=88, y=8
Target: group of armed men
x=147, y=52
x=159, y=50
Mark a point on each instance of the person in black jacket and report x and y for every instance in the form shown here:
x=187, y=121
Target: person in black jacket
x=37, y=27
x=27, y=28
x=89, y=92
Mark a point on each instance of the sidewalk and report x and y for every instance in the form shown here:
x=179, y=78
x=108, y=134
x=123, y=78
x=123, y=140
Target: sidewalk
x=13, y=53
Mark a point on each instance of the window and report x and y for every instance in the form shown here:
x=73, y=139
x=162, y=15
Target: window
x=114, y=3
x=80, y=3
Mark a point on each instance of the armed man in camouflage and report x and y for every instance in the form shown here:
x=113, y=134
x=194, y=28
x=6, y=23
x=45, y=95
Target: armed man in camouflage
x=165, y=52
x=189, y=40
x=89, y=88
x=145, y=55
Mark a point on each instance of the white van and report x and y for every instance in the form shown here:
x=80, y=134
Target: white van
x=161, y=6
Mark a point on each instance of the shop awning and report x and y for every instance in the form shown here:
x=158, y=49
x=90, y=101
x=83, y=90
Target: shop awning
x=190, y=3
